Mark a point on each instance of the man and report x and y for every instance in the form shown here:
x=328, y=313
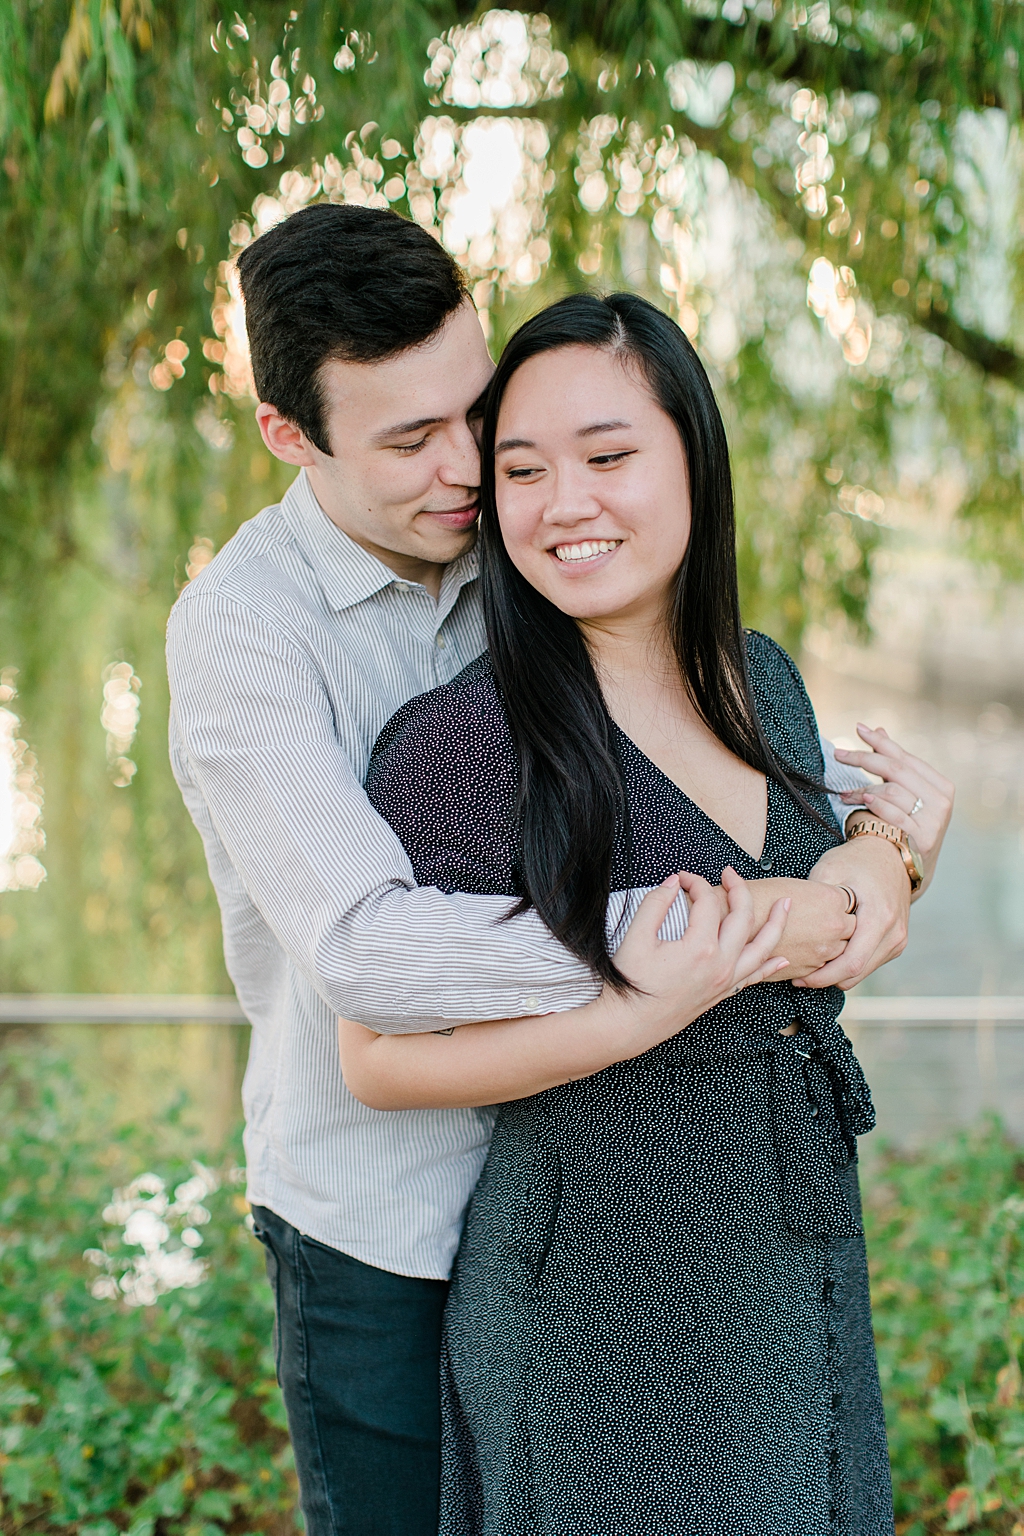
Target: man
x=287, y=656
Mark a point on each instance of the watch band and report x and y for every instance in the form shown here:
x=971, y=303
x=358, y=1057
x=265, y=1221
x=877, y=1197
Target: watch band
x=871, y=827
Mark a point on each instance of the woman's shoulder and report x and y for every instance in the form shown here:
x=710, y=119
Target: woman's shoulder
x=769, y=665
x=783, y=703
x=462, y=716
x=443, y=773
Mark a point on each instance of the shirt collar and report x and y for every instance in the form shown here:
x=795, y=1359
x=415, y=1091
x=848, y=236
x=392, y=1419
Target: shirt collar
x=349, y=574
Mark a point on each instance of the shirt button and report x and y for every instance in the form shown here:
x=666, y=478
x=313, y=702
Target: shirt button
x=532, y=1002
x=440, y=642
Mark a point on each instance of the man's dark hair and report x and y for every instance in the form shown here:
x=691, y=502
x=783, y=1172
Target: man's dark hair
x=336, y=281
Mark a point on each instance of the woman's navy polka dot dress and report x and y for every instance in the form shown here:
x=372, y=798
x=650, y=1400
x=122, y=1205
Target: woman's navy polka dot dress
x=659, y=1321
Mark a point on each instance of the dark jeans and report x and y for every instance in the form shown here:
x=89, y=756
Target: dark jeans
x=357, y=1358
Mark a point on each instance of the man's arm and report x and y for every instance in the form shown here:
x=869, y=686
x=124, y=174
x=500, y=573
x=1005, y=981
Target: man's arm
x=676, y=981
x=918, y=799
x=869, y=866
x=328, y=875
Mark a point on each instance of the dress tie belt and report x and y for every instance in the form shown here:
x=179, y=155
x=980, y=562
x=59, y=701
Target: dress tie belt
x=820, y=1103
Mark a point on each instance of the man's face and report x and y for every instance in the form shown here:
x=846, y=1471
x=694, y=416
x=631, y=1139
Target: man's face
x=404, y=473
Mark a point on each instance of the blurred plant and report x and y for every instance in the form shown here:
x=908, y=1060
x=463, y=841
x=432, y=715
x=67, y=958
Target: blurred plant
x=144, y=1398
x=946, y=1240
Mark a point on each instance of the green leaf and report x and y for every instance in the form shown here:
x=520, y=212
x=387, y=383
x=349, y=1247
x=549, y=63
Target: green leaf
x=948, y=1410
x=981, y=1465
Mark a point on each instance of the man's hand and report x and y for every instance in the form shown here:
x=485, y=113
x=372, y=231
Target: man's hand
x=875, y=871
x=914, y=796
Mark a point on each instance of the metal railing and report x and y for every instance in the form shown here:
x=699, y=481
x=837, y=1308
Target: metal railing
x=183, y=1008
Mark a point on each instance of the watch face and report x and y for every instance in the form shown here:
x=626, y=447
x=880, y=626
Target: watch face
x=918, y=861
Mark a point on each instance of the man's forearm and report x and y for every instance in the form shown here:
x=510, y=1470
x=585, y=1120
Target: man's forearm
x=818, y=926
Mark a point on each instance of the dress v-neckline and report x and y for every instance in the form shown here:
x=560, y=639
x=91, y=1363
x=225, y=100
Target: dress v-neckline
x=762, y=860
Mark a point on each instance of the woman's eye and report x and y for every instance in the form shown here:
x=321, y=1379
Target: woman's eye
x=410, y=447
x=612, y=458
x=520, y=474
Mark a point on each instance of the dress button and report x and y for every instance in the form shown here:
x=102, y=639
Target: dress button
x=765, y=863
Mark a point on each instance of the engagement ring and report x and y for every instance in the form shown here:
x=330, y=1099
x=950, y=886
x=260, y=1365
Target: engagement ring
x=918, y=803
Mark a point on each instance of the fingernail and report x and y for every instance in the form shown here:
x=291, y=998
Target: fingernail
x=787, y=904
x=866, y=798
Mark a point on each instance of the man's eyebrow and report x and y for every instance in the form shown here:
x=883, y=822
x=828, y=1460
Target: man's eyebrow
x=404, y=427
x=602, y=426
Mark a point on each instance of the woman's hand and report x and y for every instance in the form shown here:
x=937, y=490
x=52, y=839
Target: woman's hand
x=914, y=796
x=722, y=951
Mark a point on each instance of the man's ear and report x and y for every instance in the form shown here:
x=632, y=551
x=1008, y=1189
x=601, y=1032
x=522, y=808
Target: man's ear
x=285, y=440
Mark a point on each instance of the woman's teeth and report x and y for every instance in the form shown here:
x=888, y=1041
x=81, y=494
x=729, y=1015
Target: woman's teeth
x=588, y=551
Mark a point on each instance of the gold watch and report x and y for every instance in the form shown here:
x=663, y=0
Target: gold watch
x=900, y=841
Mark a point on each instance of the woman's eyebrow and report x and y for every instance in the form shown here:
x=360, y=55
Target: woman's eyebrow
x=591, y=431
x=602, y=426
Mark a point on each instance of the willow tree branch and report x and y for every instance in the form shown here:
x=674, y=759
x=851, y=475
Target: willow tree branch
x=992, y=357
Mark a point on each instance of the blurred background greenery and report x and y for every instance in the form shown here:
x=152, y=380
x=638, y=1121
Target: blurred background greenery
x=828, y=197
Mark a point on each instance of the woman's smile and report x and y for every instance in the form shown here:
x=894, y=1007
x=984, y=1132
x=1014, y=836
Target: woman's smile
x=587, y=553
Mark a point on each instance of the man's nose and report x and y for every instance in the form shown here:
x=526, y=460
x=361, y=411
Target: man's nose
x=462, y=462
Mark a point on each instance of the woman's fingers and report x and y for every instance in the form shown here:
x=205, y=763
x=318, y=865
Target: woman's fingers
x=705, y=906
x=653, y=910
x=896, y=794
x=738, y=924
x=765, y=973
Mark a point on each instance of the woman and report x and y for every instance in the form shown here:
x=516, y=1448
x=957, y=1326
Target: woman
x=659, y=1321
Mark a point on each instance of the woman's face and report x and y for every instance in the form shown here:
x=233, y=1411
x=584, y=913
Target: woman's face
x=592, y=488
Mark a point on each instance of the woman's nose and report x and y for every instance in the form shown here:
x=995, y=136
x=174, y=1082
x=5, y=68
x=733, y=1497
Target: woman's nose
x=570, y=502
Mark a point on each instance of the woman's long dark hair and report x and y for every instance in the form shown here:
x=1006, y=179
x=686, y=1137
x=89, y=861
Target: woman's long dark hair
x=571, y=792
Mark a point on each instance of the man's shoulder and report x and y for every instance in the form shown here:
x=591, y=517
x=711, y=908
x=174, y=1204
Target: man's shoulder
x=256, y=569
